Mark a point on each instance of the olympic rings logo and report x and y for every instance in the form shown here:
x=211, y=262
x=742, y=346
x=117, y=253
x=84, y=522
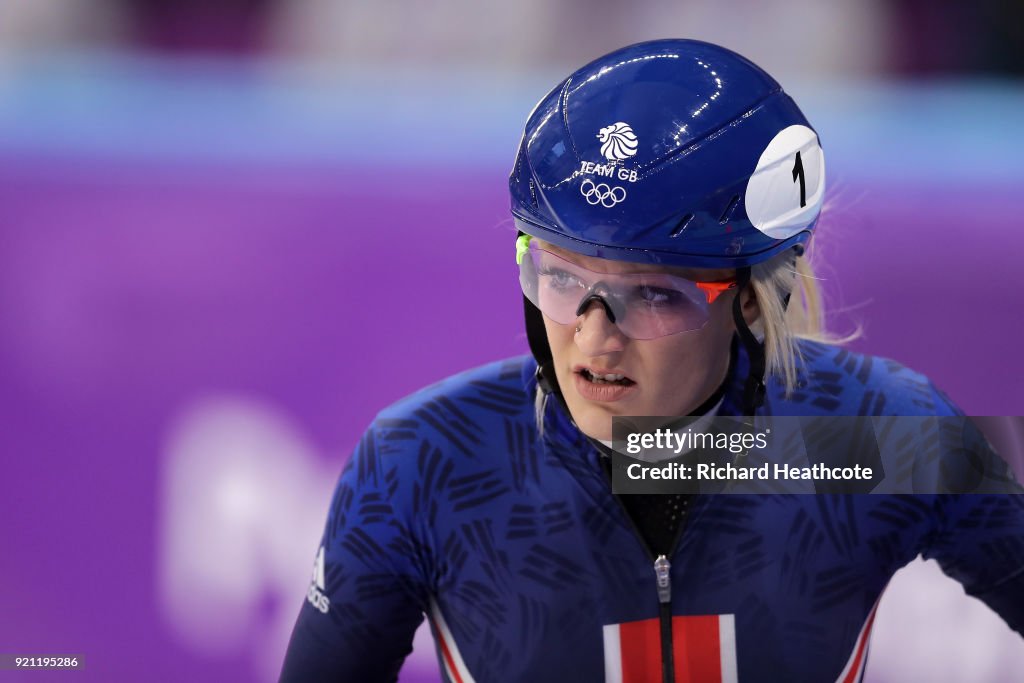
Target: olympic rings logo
x=601, y=193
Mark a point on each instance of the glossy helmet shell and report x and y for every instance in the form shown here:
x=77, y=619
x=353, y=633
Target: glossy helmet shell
x=674, y=152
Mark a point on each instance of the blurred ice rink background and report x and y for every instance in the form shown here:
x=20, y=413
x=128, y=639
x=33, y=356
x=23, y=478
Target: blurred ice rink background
x=228, y=232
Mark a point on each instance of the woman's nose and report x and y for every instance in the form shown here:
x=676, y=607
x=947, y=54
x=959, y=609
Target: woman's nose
x=597, y=335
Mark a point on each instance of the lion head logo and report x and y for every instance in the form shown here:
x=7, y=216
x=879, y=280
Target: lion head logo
x=618, y=141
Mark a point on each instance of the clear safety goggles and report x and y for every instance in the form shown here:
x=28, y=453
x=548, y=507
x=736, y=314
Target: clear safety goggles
x=642, y=305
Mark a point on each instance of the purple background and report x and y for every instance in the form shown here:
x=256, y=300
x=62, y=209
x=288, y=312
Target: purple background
x=134, y=285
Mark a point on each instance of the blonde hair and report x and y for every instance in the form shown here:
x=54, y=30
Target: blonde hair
x=781, y=327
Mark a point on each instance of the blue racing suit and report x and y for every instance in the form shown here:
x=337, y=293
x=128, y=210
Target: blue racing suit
x=454, y=506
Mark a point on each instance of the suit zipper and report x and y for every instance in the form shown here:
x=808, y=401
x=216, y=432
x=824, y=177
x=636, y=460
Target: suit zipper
x=663, y=583
x=663, y=574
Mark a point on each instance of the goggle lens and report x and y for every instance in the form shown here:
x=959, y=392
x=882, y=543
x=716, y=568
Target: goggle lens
x=643, y=305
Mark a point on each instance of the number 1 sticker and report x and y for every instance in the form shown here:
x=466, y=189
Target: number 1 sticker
x=786, y=189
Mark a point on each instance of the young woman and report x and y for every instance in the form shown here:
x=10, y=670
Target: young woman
x=663, y=196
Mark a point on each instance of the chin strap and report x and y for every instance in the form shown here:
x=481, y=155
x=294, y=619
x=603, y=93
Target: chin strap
x=537, y=336
x=753, y=389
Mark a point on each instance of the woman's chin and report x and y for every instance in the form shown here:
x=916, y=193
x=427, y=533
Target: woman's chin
x=595, y=426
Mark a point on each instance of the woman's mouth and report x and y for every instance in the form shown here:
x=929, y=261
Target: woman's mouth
x=608, y=378
x=602, y=386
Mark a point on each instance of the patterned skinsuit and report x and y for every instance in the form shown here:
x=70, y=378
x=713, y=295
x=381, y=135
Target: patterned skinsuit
x=513, y=546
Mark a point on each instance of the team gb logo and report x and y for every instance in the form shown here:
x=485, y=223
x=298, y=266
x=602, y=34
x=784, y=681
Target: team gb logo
x=618, y=141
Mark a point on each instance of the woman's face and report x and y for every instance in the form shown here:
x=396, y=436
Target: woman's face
x=668, y=376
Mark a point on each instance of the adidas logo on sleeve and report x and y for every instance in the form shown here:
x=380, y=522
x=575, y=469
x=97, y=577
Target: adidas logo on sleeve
x=315, y=595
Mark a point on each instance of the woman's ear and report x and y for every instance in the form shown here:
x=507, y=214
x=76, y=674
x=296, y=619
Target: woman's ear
x=748, y=304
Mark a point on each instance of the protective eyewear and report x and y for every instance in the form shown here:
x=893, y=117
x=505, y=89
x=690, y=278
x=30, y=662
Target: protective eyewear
x=643, y=305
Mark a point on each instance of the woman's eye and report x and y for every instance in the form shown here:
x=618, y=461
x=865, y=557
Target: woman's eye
x=560, y=278
x=656, y=295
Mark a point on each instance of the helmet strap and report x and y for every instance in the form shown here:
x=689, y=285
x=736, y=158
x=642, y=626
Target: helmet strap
x=537, y=336
x=753, y=389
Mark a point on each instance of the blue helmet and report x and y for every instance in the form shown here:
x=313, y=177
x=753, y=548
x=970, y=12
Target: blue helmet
x=673, y=152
